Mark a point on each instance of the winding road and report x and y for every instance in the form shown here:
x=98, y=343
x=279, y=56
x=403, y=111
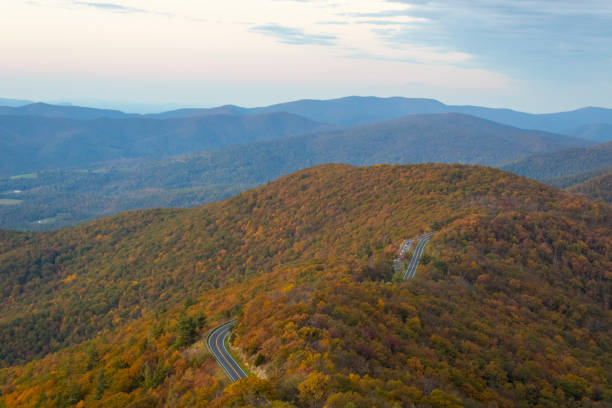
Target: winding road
x=416, y=257
x=216, y=339
x=216, y=345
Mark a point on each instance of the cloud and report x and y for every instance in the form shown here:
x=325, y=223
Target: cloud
x=333, y=22
x=111, y=7
x=385, y=13
x=289, y=35
x=536, y=36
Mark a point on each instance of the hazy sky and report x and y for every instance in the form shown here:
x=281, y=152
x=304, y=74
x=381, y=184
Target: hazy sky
x=533, y=55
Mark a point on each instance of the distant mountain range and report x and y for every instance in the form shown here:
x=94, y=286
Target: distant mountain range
x=63, y=164
x=33, y=143
x=13, y=102
x=356, y=110
x=64, y=197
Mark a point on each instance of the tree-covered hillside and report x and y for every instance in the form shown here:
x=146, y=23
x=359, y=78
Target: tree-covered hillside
x=596, y=188
x=565, y=167
x=511, y=306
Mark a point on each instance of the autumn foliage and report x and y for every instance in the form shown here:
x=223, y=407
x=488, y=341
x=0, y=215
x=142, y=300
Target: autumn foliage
x=511, y=306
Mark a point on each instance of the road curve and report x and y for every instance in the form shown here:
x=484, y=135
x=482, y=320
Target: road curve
x=416, y=257
x=216, y=345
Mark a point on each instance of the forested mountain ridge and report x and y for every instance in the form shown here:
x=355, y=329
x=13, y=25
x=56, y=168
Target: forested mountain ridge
x=511, y=305
x=58, y=198
x=33, y=143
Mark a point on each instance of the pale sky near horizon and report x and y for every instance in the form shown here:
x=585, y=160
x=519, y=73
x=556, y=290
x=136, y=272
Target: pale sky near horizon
x=531, y=55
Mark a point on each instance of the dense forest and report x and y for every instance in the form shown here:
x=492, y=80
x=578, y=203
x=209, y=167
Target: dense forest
x=511, y=306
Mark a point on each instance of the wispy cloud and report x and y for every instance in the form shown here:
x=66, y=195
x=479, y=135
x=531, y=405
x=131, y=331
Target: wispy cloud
x=111, y=7
x=333, y=22
x=547, y=36
x=290, y=35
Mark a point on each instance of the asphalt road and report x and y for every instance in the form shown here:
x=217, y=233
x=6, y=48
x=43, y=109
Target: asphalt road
x=416, y=257
x=216, y=345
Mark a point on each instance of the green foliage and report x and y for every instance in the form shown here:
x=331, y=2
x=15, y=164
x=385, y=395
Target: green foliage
x=259, y=360
x=186, y=331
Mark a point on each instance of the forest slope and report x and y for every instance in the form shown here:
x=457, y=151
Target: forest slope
x=510, y=308
x=596, y=188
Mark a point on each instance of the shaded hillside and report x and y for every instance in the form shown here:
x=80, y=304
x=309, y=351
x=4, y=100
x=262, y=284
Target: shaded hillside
x=29, y=144
x=61, y=111
x=596, y=188
x=510, y=308
x=564, y=165
x=60, y=198
x=600, y=132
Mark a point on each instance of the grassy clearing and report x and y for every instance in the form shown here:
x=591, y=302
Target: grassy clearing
x=25, y=176
x=10, y=201
x=45, y=221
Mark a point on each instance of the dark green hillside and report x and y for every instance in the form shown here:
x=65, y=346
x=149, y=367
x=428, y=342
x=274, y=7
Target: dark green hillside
x=510, y=308
x=33, y=143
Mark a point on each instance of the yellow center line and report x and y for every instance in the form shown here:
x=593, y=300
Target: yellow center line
x=225, y=358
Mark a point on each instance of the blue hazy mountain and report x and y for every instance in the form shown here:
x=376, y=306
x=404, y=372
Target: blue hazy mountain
x=353, y=110
x=14, y=102
x=359, y=110
x=32, y=143
x=61, y=111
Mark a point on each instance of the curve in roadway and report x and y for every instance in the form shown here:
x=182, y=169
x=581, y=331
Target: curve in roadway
x=416, y=257
x=216, y=345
